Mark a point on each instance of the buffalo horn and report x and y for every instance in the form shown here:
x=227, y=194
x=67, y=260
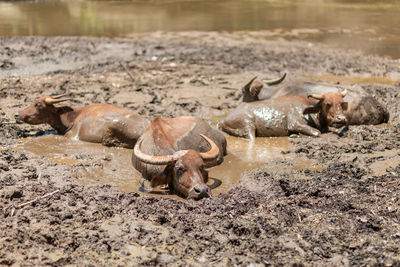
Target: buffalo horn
x=276, y=81
x=55, y=99
x=343, y=93
x=155, y=160
x=315, y=96
x=58, y=96
x=213, y=152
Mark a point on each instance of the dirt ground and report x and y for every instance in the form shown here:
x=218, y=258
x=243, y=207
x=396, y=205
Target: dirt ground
x=345, y=213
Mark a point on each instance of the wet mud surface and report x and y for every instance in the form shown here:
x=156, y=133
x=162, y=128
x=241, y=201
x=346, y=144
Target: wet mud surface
x=332, y=200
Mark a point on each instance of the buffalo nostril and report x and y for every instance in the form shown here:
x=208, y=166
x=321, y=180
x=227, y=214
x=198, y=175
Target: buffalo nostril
x=340, y=118
x=201, y=189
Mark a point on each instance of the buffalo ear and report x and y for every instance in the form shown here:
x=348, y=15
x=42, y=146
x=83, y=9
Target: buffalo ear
x=164, y=178
x=313, y=109
x=345, y=106
x=248, y=84
x=255, y=89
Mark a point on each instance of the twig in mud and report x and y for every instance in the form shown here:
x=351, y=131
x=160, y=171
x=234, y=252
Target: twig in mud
x=229, y=88
x=13, y=207
x=36, y=199
x=127, y=71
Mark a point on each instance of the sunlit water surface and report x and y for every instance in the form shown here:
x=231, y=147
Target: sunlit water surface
x=371, y=26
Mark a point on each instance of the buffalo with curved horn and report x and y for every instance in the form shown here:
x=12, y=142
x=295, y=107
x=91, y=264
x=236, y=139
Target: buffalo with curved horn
x=97, y=123
x=176, y=151
x=286, y=115
x=362, y=107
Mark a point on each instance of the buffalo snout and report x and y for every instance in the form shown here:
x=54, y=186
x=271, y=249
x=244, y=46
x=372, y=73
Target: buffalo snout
x=18, y=118
x=338, y=121
x=341, y=119
x=199, y=192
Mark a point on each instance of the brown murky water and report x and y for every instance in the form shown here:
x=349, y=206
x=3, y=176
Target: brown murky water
x=94, y=163
x=371, y=26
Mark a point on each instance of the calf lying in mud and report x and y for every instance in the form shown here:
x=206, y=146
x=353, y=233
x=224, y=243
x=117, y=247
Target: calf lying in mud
x=362, y=108
x=175, y=152
x=286, y=115
x=97, y=123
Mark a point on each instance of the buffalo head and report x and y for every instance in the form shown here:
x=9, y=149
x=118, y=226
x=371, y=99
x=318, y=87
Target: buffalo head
x=41, y=111
x=331, y=109
x=185, y=171
x=253, y=87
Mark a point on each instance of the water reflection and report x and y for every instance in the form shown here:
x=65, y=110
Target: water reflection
x=371, y=26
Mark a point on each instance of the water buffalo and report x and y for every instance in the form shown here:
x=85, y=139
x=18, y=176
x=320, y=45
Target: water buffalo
x=286, y=115
x=362, y=108
x=175, y=152
x=97, y=123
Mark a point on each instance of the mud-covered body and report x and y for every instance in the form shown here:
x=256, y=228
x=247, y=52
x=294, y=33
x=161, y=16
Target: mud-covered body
x=108, y=124
x=363, y=108
x=271, y=118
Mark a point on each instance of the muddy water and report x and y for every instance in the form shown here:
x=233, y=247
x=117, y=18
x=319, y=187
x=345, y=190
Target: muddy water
x=94, y=163
x=245, y=154
x=371, y=26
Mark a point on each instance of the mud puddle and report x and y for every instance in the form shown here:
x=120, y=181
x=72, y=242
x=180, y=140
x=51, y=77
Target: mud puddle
x=94, y=163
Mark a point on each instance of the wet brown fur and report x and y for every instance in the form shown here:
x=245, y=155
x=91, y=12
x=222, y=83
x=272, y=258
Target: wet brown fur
x=98, y=123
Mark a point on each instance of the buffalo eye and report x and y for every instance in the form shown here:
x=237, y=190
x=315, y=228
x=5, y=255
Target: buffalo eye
x=38, y=106
x=180, y=169
x=345, y=105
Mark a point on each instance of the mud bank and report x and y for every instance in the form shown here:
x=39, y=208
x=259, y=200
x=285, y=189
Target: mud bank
x=343, y=209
